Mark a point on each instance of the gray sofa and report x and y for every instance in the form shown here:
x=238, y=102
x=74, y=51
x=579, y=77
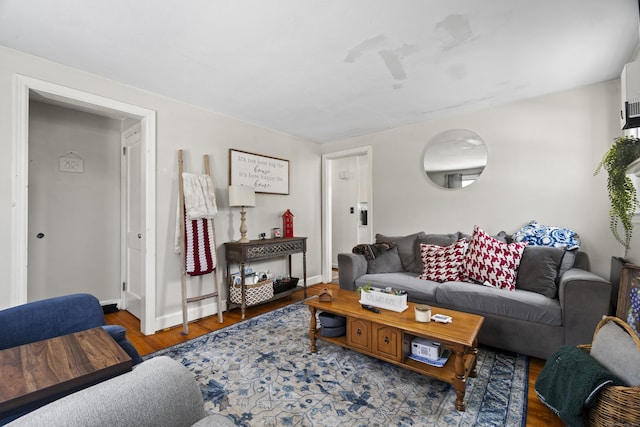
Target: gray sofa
x=531, y=320
x=158, y=392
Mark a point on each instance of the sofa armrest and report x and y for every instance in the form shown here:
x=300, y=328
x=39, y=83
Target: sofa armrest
x=159, y=391
x=119, y=335
x=584, y=299
x=350, y=267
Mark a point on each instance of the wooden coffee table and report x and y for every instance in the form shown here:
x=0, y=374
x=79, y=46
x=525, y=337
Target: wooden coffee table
x=387, y=336
x=47, y=370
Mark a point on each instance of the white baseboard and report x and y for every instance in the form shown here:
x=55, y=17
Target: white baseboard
x=194, y=313
x=314, y=280
x=111, y=301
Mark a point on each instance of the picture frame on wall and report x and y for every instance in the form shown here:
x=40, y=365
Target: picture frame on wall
x=628, y=306
x=265, y=174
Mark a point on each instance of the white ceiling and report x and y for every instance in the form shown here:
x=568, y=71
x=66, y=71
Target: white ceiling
x=329, y=69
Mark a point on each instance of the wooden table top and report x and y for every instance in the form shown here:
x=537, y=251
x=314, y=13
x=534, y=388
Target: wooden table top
x=58, y=366
x=463, y=330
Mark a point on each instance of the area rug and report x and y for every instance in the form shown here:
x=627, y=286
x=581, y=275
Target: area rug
x=260, y=372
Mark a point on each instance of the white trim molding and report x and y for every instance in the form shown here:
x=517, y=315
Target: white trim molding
x=327, y=227
x=23, y=86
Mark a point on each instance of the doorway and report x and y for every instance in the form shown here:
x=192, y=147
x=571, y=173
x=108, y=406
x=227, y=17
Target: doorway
x=25, y=89
x=74, y=203
x=347, y=209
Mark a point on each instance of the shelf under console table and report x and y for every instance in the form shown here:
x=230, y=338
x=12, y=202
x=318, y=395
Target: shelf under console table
x=258, y=250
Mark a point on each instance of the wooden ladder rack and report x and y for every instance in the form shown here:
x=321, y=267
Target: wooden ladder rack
x=215, y=294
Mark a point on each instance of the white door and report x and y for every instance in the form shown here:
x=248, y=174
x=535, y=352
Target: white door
x=132, y=224
x=74, y=203
x=344, y=206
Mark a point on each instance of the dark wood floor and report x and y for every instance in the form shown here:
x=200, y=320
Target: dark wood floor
x=537, y=413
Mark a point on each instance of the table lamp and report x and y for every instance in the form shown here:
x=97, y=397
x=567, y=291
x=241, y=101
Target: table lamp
x=242, y=196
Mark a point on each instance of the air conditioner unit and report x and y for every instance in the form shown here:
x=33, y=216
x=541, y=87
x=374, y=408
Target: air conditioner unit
x=630, y=81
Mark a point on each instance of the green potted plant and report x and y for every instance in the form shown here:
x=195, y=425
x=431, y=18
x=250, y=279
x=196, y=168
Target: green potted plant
x=622, y=192
x=365, y=288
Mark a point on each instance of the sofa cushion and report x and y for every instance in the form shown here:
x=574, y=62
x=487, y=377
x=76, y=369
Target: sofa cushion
x=543, y=235
x=406, y=248
x=502, y=236
x=387, y=262
x=442, y=263
x=568, y=260
x=440, y=239
x=616, y=350
x=418, y=290
x=492, y=262
x=538, y=270
x=519, y=304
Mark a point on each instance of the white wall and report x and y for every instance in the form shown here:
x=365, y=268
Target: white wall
x=198, y=132
x=634, y=253
x=542, y=155
x=78, y=213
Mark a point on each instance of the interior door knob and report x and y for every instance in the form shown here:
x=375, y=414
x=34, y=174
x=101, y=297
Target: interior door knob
x=139, y=235
x=40, y=235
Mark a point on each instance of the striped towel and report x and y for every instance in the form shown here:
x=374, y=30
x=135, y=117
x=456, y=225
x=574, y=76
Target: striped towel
x=200, y=253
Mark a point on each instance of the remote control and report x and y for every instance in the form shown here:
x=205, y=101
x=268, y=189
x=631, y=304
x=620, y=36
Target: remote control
x=441, y=318
x=370, y=308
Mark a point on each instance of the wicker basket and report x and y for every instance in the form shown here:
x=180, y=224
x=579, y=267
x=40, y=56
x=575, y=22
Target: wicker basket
x=615, y=405
x=283, y=285
x=254, y=293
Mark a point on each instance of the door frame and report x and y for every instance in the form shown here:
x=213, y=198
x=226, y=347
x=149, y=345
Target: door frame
x=23, y=85
x=327, y=189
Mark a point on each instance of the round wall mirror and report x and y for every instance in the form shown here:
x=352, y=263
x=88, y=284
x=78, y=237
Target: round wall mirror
x=455, y=158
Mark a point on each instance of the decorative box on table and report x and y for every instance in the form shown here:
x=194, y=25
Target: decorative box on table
x=387, y=299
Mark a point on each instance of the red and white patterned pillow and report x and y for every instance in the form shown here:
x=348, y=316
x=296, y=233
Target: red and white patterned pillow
x=492, y=262
x=442, y=263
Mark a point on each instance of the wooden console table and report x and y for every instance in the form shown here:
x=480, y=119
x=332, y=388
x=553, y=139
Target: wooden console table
x=258, y=250
x=40, y=372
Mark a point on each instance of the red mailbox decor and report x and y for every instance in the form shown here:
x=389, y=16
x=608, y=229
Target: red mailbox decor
x=287, y=223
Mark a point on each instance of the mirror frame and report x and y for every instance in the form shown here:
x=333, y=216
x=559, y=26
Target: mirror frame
x=460, y=157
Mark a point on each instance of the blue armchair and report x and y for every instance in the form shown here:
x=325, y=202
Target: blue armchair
x=54, y=317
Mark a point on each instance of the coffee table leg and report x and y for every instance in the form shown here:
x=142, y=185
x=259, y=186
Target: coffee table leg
x=473, y=352
x=312, y=329
x=460, y=383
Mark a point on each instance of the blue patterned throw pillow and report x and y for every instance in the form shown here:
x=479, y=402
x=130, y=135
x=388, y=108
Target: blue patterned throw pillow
x=543, y=235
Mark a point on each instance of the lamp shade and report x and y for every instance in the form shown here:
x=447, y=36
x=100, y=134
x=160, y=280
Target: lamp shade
x=242, y=195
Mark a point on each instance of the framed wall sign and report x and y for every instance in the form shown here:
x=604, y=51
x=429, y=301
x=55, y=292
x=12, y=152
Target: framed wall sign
x=265, y=174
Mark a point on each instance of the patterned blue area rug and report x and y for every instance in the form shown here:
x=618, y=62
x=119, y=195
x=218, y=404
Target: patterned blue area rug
x=261, y=372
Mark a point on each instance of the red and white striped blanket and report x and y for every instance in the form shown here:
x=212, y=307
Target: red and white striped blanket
x=200, y=252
